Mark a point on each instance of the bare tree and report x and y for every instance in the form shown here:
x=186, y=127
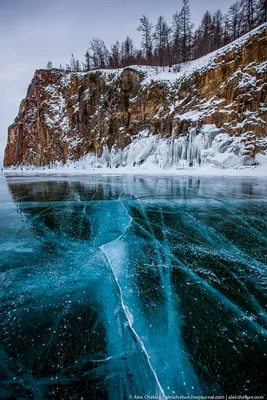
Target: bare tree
x=49, y=65
x=100, y=53
x=74, y=65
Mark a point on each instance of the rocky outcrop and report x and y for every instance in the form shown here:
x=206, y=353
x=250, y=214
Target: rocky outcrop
x=68, y=115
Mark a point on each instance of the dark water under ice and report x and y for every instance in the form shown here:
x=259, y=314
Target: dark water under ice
x=114, y=287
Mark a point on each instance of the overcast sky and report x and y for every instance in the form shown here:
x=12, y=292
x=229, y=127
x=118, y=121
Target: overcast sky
x=34, y=31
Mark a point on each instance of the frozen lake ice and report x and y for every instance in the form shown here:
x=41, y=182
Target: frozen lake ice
x=130, y=286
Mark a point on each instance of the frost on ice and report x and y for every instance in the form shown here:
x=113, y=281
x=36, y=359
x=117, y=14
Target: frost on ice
x=114, y=286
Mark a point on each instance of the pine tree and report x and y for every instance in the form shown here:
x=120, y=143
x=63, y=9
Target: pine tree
x=115, y=59
x=204, y=36
x=145, y=28
x=217, y=21
x=249, y=14
x=167, y=44
x=128, y=51
x=234, y=20
x=87, y=62
x=226, y=35
x=262, y=16
x=78, y=66
x=176, y=37
x=159, y=40
x=186, y=31
x=197, y=43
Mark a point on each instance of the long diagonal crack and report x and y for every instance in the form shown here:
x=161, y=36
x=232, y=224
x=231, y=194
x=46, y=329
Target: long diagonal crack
x=124, y=307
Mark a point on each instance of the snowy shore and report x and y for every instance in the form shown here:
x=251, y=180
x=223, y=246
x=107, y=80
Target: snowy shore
x=250, y=171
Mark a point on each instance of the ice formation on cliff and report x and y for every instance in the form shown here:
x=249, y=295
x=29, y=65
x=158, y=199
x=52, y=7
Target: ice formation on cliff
x=206, y=145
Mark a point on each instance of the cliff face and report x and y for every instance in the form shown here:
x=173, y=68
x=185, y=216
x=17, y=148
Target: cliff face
x=66, y=116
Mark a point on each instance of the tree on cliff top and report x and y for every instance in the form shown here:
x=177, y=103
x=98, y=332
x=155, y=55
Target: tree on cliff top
x=249, y=14
x=87, y=63
x=177, y=44
x=115, y=57
x=176, y=37
x=100, y=53
x=262, y=11
x=234, y=19
x=186, y=31
x=49, y=65
x=127, y=52
x=74, y=65
x=145, y=27
x=162, y=41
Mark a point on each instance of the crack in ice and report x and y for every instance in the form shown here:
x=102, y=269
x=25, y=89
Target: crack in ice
x=211, y=289
x=124, y=306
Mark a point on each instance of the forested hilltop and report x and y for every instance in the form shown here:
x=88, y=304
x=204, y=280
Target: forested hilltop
x=167, y=44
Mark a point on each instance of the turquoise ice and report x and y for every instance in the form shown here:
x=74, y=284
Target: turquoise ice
x=120, y=286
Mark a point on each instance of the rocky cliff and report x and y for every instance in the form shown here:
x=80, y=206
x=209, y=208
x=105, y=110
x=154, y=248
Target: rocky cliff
x=216, y=105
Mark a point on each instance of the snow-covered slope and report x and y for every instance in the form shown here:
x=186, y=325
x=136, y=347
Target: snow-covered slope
x=213, y=111
x=205, y=63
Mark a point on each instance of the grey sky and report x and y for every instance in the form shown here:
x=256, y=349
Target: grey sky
x=33, y=32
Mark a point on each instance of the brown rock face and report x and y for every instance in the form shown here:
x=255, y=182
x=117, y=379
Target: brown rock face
x=68, y=115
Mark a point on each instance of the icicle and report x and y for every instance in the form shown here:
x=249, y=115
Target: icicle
x=105, y=157
x=148, y=150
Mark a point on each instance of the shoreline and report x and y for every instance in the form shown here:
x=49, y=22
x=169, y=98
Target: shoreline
x=207, y=171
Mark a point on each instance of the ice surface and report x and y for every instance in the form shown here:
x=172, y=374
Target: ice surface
x=119, y=286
